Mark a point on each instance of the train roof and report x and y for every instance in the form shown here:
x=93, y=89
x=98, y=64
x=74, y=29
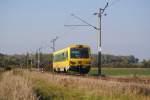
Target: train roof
x=70, y=46
x=78, y=45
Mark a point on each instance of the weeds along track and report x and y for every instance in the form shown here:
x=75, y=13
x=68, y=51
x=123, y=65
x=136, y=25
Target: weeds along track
x=15, y=87
x=124, y=85
x=140, y=80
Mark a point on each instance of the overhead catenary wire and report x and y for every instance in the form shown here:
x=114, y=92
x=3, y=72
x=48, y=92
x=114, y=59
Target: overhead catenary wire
x=113, y=3
x=62, y=34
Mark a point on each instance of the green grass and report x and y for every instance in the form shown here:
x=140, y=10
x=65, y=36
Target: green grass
x=1, y=71
x=122, y=71
x=58, y=87
x=51, y=91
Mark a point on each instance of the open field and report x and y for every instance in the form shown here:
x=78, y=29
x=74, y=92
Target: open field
x=32, y=85
x=125, y=72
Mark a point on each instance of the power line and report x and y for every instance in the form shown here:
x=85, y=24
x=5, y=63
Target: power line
x=87, y=24
x=114, y=2
x=62, y=35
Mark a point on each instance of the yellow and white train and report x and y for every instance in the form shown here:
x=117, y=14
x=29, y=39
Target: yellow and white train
x=74, y=58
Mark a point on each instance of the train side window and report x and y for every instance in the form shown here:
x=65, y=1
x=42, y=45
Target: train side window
x=61, y=57
x=55, y=58
x=66, y=55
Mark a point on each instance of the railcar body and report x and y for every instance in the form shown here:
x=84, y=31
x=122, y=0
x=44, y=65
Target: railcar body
x=73, y=58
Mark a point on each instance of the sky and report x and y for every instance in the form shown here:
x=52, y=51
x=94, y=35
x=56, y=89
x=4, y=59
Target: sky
x=26, y=25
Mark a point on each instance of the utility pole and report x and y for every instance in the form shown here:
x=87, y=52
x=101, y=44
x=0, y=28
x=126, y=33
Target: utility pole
x=53, y=43
x=27, y=58
x=31, y=63
x=100, y=14
x=39, y=50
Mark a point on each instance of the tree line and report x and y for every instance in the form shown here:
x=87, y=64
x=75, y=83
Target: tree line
x=31, y=61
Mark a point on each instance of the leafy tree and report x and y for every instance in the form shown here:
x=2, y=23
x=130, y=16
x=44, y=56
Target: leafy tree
x=146, y=63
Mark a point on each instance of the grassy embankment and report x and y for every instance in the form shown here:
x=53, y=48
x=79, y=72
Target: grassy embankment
x=15, y=87
x=127, y=72
x=26, y=85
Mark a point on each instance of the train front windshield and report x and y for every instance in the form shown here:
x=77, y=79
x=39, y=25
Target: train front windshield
x=79, y=52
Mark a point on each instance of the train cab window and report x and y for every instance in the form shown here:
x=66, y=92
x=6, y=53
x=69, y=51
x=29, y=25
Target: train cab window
x=79, y=52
